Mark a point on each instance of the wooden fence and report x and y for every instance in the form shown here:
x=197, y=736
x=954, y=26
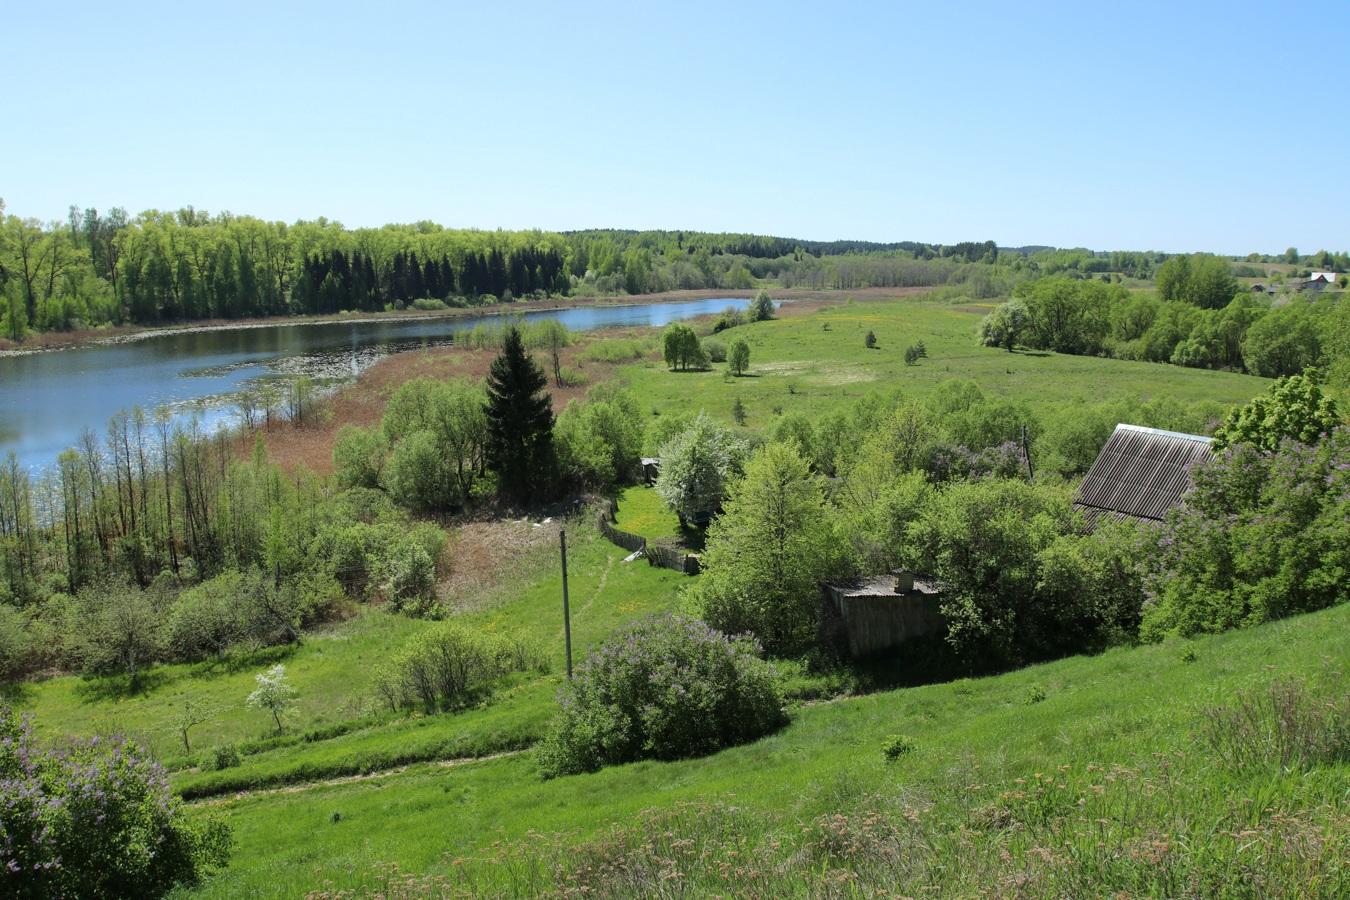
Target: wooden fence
x=634, y=543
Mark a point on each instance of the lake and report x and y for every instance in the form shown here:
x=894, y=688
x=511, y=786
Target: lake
x=48, y=398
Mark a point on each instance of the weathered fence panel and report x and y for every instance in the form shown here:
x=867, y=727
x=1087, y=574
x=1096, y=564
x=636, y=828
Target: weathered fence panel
x=672, y=559
x=656, y=556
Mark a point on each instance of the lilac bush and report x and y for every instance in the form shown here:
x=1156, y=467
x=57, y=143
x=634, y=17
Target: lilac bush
x=666, y=688
x=94, y=819
x=1263, y=534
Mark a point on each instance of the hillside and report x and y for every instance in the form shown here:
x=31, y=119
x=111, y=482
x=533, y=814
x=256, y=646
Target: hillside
x=357, y=779
x=1108, y=777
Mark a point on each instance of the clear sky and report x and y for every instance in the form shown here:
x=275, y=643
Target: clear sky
x=1169, y=126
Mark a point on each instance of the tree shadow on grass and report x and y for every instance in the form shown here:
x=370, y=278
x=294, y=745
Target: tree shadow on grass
x=20, y=693
x=917, y=662
x=243, y=659
x=111, y=688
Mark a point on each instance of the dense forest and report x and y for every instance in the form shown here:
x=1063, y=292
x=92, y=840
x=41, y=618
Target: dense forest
x=99, y=269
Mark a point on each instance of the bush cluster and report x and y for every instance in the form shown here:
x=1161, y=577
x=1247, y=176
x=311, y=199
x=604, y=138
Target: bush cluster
x=95, y=819
x=666, y=688
x=1262, y=535
x=448, y=662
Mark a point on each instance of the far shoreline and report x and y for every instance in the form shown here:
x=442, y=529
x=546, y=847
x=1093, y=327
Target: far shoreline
x=62, y=340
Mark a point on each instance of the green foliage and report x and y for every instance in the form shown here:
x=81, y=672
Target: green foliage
x=738, y=411
x=224, y=756
x=697, y=466
x=447, y=662
x=1261, y=536
x=16, y=643
x=1004, y=326
x=520, y=423
x=599, y=442
x=214, y=616
x=739, y=362
x=1293, y=408
x=870, y=341
x=412, y=578
x=614, y=350
x=1284, y=342
x=665, y=688
x=359, y=456
x=420, y=476
x=1018, y=583
x=1289, y=726
x=731, y=317
x=681, y=350
x=95, y=819
x=716, y=350
x=440, y=469
x=1034, y=694
x=1068, y=316
x=761, y=310
x=767, y=552
x=1202, y=279
x=116, y=628
x=898, y=745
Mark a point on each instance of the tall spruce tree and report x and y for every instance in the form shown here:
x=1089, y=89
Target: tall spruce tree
x=520, y=422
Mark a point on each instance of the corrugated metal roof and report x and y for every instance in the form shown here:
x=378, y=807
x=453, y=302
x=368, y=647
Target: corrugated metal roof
x=1140, y=473
x=880, y=586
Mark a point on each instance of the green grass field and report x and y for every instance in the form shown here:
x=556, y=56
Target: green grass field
x=1134, y=711
x=796, y=365
x=339, y=727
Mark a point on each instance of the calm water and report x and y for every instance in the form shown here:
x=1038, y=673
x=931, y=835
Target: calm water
x=47, y=399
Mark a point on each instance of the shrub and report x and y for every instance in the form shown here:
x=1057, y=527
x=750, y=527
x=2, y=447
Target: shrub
x=358, y=456
x=429, y=304
x=666, y=688
x=95, y=819
x=1034, y=694
x=871, y=340
x=731, y=318
x=1260, y=536
x=449, y=661
x=897, y=746
x=226, y=756
x=761, y=310
x=716, y=350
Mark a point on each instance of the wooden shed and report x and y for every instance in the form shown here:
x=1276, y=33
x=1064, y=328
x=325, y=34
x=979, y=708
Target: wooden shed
x=1140, y=474
x=864, y=615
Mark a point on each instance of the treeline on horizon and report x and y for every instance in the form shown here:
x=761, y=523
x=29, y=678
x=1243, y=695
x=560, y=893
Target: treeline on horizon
x=94, y=270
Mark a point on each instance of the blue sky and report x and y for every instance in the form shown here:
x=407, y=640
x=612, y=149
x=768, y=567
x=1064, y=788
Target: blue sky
x=1169, y=126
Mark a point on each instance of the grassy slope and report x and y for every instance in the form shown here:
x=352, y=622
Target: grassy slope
x=1118, y=708
x=331, y=673
x=830, y=368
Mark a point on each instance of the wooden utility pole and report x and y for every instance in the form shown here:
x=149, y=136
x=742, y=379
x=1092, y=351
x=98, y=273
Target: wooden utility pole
x=567, y=614
x=1026, y=454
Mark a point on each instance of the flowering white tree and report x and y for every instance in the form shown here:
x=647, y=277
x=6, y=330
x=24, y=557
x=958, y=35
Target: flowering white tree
x=274, y=693
x=696, y=466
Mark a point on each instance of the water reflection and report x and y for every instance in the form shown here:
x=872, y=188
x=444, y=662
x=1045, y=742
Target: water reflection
x=47, y=399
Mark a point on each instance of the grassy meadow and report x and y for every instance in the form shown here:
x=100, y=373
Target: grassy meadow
x=814, y=360
x=353, y=787
x=1090, y=759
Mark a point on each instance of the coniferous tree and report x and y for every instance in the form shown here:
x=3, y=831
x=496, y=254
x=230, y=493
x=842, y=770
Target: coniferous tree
x=520, y=422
